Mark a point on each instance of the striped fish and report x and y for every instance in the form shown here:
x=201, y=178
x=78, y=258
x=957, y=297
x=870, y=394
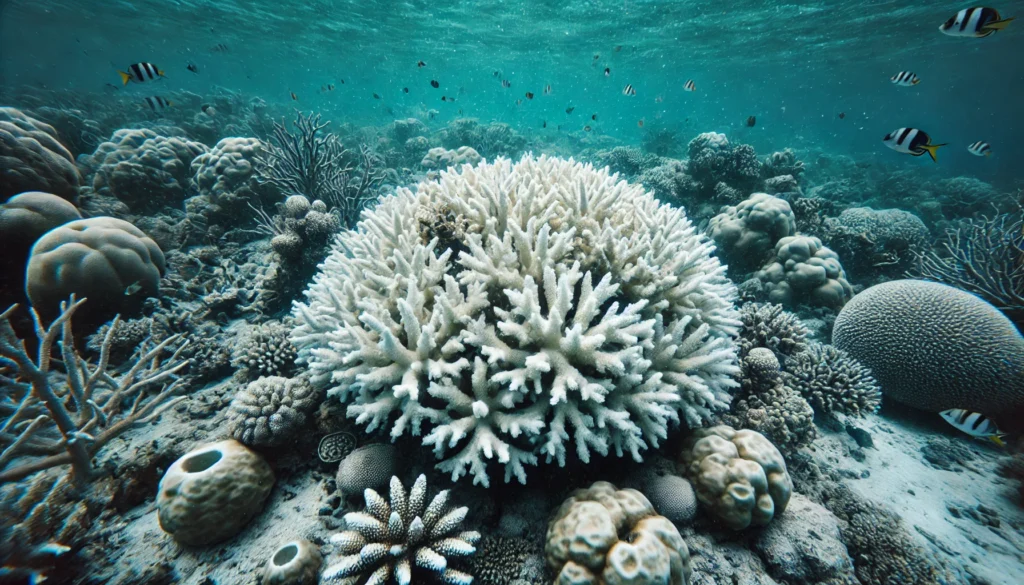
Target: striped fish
x=975, y=22
x=506, y=83
x=547, y=89
x=628, y=90
x=980, y=148
x=157, y=103
x=911, y=141
x=905, y=78
x=974, y=424
x=140, y=72
x=689, y=85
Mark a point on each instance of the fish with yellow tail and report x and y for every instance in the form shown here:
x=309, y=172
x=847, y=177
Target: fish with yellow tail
x=911, y=141
x=974, y=424
x=977, y=22
x=140, y=72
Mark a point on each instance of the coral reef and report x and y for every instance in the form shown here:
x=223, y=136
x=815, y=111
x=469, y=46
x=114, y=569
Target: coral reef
x=54, y=419
x=33, y=159
x=772, y=327
x=670, y=183
x=713, y=160
x=143, y=169
x=935, y=347
x=442, y=158
x=400, y=537
x=876, y=243
x=265, y=351
x=490, y=140
x=271, y=411
x=516, y=349
x=500, y=560
x=107, y=260
x=782, y=163
x=628, y=161
x=294, y=563
x=738, y=475
x=805, y=272
x=832, y=381
x=605, y=536
x=226, y=180
x=368, y=467
x=746, y=233
x=211, y=492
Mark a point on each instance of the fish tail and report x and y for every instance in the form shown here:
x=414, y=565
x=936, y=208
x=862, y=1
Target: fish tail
x=931, y=148
x=125, y=77
x=998, y=440
x=170, y=103
x=997, y=25
x=915, y=82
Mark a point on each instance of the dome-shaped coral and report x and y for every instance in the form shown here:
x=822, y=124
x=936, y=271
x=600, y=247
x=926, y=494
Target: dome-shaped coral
x=582, y=316
x=26, y=217
x=935, y=347
x=33, y=159
x=805, y=271
x=747, y=232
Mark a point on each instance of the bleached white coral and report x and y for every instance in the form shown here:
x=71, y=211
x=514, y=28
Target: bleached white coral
x=571, y=311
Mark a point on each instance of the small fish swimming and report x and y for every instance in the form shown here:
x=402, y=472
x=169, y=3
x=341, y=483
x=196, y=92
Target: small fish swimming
x=529, y=95
x=405, y=90
x=421, y=64
x=570, y=109
x=977, y=22
x=294, y=97
x=586, y=128
x=974, y=424
x=640, y=123
x=905, y=78
x=597, y=56
x=593, y=117
x=132, y=288
x=506, y=83
x=376, y=96
x=434, y=84
x=618, y=48
x=547, y=89
x=751, y=121
x=842, y=115
x=208, y=109
x=192, y=67
x=689, y=85
x=607, y=71
x=444, y=98
x=980, y=148
x=157, y=103
x=544, y=124
x=628, y=90
x=496, y=74
x=113, y=87
x=140, y=72
x=911, y=141
x=219, y=48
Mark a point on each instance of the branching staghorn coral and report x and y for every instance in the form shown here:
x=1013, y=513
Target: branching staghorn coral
x=580, y=315
x=984, y=257
x=69, y=422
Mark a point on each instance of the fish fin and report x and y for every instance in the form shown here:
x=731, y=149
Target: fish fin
x=988, y=153
x=915, y=82
x=998, y=440
x=931, y=148
x=997, y=25
x=160, y=72
x=125, y=77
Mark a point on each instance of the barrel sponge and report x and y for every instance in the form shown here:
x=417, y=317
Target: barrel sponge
x=26, y=217
x=744, y=232
x=32, y=158
x=606, y=536
x=935, y=347
x=805, y=271
x=296, y=562
x=209, y=494
x=739, y=475
x=97, y=258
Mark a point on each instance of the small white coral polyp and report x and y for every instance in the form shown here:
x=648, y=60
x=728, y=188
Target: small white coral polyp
x=579, y=313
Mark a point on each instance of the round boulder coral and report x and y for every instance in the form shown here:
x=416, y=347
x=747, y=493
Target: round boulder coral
x=209, y=494
x=226, y=180
x=745, y=233
x=106, y=260
x=271, y=411
x=33, y=159
x=805, y=271
x=368, y=467
x=26, y=217
x=738, y=475
x=441, y=158
x=606, y=536
x=935, y=347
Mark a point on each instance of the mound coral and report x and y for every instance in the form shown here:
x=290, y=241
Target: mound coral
x=877, y=243
x=746, y=233
x=399, y=537
x=368, y=467
x=144, y=170
x=670, y=182
x=629, y=161
x=781, y=164
x=271, y=410
x=805, y=271
x=739, y=475
x=581, y=315
x=605, y=536
x=672, y=497
x=226, y=180
x=935, y=347
x=107, y=260
x=33, y=159
x=832, y=381
x=23, y=219
x=442, y=158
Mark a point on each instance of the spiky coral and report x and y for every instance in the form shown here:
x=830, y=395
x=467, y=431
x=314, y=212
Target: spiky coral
x=396, y=538
x=581, y=315
x=771, y=327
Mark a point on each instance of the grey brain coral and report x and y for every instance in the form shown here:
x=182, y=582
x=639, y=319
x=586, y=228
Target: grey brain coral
x=935, y=347
x=581, y=316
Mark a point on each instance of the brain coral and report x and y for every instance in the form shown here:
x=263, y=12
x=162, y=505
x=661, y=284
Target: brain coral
x=32, y=158
x=877, y=242
x=100, y=258
x=805, y=271
x=606, y=536
x=143, y=169
x=935, y=347
x=580, y=315
x=747, y=232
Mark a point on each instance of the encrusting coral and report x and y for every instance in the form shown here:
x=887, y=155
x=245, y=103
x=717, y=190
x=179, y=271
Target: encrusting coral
x=271, y=410
x=581, y=315
x=399, y=537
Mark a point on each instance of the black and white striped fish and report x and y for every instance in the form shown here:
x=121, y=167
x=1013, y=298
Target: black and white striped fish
x=911, y=141
x=140, y=72
x=980, y=148
x=905, y=78
x=628, y=90
x=976, y=21
x=547, y=89
x=689, y=85
x=157, y=103
x=974, y=424
x=506, y=83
